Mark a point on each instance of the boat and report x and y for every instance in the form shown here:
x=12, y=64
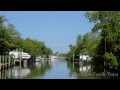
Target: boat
x=17, y=55
x=53, y=58
x=39, y=58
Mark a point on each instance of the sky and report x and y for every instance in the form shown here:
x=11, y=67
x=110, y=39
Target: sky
x=57, y=29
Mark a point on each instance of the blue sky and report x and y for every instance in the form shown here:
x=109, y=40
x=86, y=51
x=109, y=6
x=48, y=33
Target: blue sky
x=57, y=29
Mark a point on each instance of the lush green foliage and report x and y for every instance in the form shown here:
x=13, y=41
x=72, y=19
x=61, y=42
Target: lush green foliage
x=108, y=23
x=10, y=39
x=35, y=47
x=106, y=44
x=85, y=44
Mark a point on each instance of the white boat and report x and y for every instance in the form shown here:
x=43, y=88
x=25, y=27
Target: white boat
x=53, y=58
x=39, y=58
x=17, y=55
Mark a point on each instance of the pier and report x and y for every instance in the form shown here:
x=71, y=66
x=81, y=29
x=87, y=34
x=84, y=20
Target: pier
x=6, y=61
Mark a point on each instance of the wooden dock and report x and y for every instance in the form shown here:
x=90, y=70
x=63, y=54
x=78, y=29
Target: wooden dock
x=6, y=61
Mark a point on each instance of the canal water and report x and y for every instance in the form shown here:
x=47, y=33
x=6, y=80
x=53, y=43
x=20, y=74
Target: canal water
x=57, y=69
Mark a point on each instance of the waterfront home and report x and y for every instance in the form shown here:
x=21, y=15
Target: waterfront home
x=85, y=57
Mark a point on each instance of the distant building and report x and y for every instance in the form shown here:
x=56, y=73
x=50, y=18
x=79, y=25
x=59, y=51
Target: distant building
x=85, y=56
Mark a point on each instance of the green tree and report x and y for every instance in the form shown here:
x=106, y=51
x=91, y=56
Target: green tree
x=4, y=37
x=10, y=39
x=107, y=24
x=35, y=47
x=85, y=44
x=15, y=39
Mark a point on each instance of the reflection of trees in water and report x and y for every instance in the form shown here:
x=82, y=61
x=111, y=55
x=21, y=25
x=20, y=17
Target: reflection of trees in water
x=81, y=72
x=101, y=68
x=35, y=71
x=88, y=72
x=2, y=74
x=38, y=69
x=106, y=73
x=74, y=68
x=6, y=74
x=20, y=72
x=15, y=72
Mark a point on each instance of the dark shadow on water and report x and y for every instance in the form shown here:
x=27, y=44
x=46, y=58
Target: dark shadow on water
x=91, y=72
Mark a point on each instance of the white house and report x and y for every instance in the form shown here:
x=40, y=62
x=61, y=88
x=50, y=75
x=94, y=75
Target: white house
x=85, y=57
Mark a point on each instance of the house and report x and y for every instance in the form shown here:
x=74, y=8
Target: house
x=85, y=57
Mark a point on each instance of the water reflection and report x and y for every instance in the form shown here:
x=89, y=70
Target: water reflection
x=89, y=72
x=25, y=71
x=39, y=69
x=57, y=69
x=14, y=72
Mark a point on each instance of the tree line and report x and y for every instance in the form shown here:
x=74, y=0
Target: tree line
x=103, y=41
x=85, y=44
x=11, y=39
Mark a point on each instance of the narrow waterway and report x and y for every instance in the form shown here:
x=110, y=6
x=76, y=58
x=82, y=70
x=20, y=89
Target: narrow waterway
x=57, y=69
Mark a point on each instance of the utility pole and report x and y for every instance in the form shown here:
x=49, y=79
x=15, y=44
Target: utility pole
x=105, y=52
x=73, y=57
x=105, y=44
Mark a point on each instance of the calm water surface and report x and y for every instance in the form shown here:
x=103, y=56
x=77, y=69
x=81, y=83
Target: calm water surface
x=58, y=69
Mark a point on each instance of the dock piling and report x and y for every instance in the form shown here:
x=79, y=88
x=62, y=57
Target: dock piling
x=0, y=62
x=9, y=60
x=6, y=61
